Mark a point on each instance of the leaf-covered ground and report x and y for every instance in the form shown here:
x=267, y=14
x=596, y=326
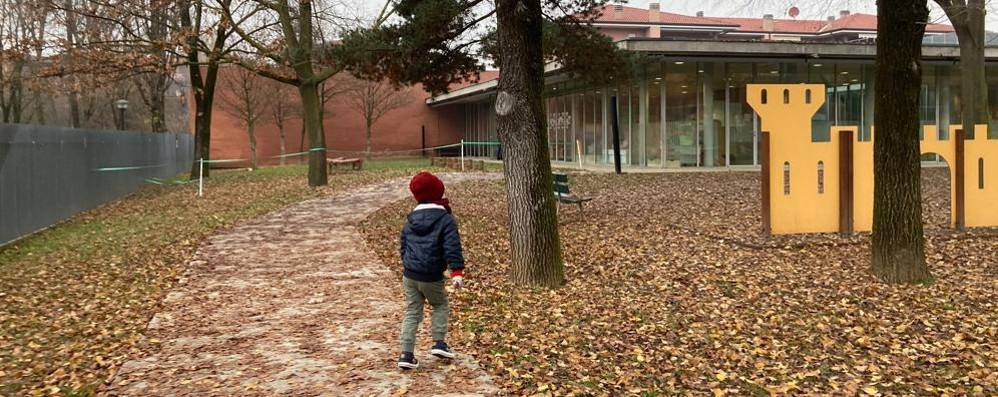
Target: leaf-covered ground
x=662, y=297
x=75, y=299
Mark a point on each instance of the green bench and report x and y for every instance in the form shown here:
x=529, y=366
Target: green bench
x=564, y=195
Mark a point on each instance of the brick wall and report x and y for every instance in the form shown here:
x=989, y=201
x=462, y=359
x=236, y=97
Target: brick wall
x=344, y=129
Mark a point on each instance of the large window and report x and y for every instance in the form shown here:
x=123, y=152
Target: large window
x=821, y=124
x=714, y=119
x=681, y=113
x=849, y=94
x=741, y=117
x=992, y=76
x=653, y=132
x=687, y=113
x=635, y=138
x=623, y=123
x=599, y=113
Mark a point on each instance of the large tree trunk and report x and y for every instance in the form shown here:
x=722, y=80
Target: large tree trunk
x=898, y=245
x=313, y=128
x=533, y=219
x=301, y=141
x=204, y=99
x=967, y=17
x=972, y=78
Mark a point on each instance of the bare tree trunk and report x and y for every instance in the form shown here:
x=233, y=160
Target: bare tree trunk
x=203, y=85
x=311, y=107
x=73, y=97
x=39, y=48
x=280, y=130
x=367, y=149
x=533, y=220
x=967, y=17
x=204, y=101
x=898, y=244
x=157, y=108
x=972, y=76
x=251, y=130
x=15, y=100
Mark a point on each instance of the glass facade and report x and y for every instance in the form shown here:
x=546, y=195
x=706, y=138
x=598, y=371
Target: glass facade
x=480, y=127
x=694, y=113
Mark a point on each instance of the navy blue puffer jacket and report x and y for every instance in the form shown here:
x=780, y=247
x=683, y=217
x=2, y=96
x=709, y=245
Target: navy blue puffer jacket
x=430, y=242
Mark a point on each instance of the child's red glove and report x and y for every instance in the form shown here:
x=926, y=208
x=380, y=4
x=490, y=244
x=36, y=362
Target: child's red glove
x=456, y=278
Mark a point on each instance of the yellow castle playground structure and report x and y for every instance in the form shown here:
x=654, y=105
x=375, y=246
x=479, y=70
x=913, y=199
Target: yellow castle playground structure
x=825, y=187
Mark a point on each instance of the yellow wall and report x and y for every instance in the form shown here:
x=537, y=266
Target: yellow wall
x=862, y=182
x=981, y=205
x=787, y=115
x=863, y=174
x=804, y=209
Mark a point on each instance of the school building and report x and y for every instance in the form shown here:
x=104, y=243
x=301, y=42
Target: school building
x=688, y=107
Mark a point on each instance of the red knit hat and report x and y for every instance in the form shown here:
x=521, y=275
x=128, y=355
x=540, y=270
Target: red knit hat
x=426, y=188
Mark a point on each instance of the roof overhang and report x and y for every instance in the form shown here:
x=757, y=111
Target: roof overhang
x=663, y=25
x=768, y=51
x=482, y=90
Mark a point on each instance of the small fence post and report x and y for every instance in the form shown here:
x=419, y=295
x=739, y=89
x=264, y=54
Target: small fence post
x=462, y=155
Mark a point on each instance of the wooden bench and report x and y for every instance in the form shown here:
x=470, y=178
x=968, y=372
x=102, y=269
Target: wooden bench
x=355, y=164
x=564, y=195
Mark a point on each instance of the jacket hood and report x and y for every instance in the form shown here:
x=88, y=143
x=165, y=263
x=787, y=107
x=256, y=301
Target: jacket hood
x=422, y=219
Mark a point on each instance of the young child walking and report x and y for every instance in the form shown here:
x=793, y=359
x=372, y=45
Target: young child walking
x=429, y=244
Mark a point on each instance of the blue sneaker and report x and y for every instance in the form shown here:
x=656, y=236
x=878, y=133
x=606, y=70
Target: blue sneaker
x=408, y=361
x=441, y=350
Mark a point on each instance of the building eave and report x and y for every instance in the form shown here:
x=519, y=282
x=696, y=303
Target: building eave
x=632, y=24
x=478, y=91
x=731, y=50
x=736, y=49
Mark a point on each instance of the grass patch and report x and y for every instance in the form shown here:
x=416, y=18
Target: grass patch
x=76, y=298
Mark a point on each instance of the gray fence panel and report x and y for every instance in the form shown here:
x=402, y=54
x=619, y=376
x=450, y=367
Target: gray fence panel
x=49, y=174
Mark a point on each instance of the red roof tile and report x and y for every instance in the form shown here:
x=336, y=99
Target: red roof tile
x=779, y=25
x=869, y=22
x=639, y=15
x=850, y=22
x=483, y=76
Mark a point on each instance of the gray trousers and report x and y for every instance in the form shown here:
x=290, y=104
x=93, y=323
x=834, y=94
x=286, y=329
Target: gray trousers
x=416, y=293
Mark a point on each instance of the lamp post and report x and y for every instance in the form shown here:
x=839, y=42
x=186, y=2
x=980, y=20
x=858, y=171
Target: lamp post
x=122, y=106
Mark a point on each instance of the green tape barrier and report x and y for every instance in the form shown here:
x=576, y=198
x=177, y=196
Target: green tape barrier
x=291, y=155
x=111, y=169
x=221, y=161
x=482, y=143
x=158, y=181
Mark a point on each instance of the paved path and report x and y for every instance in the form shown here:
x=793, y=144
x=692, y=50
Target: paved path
x=292, y=303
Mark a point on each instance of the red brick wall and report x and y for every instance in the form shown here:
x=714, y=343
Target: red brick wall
x=344, y=130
